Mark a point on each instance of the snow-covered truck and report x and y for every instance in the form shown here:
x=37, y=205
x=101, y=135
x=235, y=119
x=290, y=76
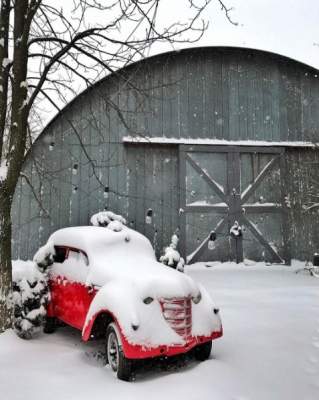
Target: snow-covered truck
x=107, y=282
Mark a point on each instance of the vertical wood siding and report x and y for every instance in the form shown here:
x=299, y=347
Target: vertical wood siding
x=221, y=93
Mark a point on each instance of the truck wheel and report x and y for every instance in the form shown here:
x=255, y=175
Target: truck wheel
x=50, y=324
x=202, y=351
x=119, y=364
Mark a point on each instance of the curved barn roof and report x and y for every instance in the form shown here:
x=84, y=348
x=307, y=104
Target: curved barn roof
x=158, y=57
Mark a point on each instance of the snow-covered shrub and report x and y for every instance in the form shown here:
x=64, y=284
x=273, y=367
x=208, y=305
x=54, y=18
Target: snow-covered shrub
x=108, y=219
x=115, y=226
x=30, y=296
x=171, y=256
x=44, y=257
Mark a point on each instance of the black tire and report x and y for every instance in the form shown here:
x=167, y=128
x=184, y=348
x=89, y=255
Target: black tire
x=119, y=364
x=50, y=325
x=202, y=351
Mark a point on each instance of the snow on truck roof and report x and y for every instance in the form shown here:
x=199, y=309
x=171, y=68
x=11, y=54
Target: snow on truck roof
x=123, y=255
x=94, y=239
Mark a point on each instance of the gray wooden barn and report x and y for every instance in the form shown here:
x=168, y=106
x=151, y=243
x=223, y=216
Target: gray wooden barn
x=194, y=140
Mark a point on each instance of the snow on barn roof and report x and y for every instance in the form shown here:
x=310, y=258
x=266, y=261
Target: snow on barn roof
x=215, y=142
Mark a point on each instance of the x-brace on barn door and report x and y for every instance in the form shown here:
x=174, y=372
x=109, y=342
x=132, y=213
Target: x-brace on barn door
x=229, y=186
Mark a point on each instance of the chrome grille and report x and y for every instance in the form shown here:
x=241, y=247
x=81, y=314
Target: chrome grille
x=178, y=313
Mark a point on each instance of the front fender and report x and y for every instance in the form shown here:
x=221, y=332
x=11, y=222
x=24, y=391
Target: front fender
x=139, y=323
x=118, y=300
x=205, y=321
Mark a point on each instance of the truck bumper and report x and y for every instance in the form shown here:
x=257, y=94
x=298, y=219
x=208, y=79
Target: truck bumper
x=133, y=351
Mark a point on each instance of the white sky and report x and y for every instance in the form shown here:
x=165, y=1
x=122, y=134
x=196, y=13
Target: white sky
x=288, y=27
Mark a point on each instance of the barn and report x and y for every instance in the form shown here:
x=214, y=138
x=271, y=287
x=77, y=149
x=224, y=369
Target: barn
x=217, y=143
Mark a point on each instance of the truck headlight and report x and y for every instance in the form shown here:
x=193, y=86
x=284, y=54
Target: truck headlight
x=135, y=327
x=197, y=299
x=148, y=300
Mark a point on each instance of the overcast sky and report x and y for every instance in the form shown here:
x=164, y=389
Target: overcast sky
x=288, y=27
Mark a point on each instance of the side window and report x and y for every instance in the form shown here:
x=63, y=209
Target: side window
x=71, y=264
x=78, y=256
x=60, y=254
x=84, y=258
x=63, y=253
x=73, y=255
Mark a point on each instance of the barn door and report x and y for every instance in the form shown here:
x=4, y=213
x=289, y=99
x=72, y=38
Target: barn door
x=223, y=187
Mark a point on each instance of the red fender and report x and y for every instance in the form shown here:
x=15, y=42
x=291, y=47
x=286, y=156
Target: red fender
x=87, y=329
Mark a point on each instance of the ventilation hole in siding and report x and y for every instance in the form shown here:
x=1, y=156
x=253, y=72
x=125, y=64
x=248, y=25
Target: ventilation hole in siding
x=149, y=216
x=75, y=169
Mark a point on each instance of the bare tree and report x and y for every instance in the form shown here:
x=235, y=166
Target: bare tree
x=45, y=51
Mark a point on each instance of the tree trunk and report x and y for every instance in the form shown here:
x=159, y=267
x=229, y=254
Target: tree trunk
x=5, y=261
x=16, y=150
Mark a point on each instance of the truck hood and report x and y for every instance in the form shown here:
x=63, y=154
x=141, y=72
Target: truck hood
x=146, y=275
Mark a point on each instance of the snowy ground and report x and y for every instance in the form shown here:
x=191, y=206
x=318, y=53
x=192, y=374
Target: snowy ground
x=270, y=348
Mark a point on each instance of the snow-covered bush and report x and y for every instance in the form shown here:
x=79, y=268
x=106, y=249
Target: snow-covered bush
x=108, y=219
x=30, y=296
x=30, y=291
x=171, y=256
x=115, y=226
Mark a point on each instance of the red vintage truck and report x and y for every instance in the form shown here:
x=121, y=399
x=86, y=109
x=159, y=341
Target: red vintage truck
x=107, y=282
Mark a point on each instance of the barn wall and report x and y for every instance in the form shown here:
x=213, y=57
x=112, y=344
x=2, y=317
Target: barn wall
x=302, y=183
x=229, y=94
x=153, y=185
